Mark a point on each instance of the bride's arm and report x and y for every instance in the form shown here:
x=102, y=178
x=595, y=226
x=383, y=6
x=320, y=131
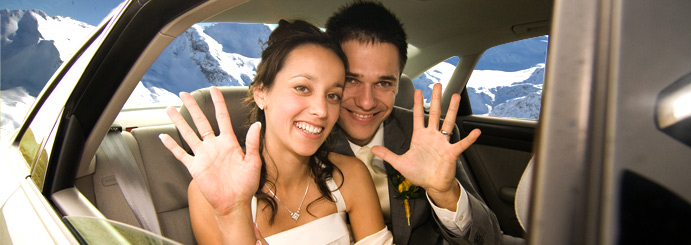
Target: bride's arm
x=204, y=224
x=362, y=203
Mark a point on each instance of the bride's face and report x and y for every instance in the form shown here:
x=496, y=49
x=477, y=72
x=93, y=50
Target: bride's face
x=303, y=104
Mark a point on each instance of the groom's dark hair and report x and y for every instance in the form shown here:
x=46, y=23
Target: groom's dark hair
x=368, y=22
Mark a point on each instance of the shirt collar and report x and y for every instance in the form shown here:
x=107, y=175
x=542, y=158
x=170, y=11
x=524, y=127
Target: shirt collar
x=378, y=139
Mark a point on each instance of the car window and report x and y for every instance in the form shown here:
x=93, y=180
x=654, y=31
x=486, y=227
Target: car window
x=103, y=231
x=206, y=54
x=34, y=46
x=36, y=143
x=507, y=80
x=440, y=73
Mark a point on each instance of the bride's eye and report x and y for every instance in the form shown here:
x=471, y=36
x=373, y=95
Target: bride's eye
x=302, y=89
x=334, y=97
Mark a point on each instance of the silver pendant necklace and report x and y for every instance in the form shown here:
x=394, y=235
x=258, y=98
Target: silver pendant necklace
x=295, y=215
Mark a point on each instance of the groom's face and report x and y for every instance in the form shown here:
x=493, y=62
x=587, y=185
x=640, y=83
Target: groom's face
x=370, y=88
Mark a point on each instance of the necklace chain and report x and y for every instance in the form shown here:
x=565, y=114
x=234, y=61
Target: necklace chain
x=295, y=215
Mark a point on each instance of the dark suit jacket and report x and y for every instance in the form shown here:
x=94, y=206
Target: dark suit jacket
x=425, y=228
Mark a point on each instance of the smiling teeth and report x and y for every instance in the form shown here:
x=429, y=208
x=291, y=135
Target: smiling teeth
x=363, y=116
x=308, y=128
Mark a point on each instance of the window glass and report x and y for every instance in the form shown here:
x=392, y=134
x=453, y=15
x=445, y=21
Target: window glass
x=36, y=143
x=206, y=54
x=440, y=73
x=102, y=231
x=507, y=80
x=37, y=38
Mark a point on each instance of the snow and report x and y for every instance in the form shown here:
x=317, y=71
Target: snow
x=14, y=103
x=200, y=61
x=67, y=34
x=143, y=96
x=507, y=94
x=494, y=78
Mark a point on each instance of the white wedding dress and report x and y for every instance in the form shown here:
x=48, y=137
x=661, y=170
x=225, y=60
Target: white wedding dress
x=330, y=229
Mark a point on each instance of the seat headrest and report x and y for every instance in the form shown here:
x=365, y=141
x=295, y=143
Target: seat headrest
x=406, y=92
x=235, y=103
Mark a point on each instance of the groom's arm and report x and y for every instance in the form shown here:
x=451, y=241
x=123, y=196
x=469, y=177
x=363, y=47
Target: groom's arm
x=470, y=219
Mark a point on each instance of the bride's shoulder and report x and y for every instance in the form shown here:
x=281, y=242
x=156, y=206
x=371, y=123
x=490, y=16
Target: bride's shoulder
x=351, y=167
x=340, y=159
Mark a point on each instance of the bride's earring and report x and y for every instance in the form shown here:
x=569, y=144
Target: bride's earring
x=261, y=107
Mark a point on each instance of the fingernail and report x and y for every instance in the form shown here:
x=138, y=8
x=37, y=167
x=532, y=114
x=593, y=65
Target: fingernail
x=160, y=136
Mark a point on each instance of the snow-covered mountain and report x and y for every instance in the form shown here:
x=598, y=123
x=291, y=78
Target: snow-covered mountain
x=507, y=81
x=34, y=45
x=493, y=92
x=500, y=93
x=197, y=58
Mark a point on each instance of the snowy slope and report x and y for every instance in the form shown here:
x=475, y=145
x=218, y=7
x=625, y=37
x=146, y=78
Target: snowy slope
x=241, y=38
x=14, y=104
x=507, y=75
x=440, y=73
x=34, y=45
x=493, y=92
x=200, y=61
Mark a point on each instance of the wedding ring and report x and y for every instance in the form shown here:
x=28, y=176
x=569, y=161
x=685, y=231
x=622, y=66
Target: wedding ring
x=205, y=134
x=445, y=133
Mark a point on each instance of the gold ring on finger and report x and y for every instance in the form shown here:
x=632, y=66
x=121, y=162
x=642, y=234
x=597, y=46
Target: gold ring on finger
x=205, y=134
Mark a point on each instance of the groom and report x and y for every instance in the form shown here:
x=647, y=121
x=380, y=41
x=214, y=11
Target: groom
x=447, y=206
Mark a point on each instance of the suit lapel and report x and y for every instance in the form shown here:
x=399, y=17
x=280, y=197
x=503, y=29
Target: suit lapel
x=396, y=141
x=340, y=142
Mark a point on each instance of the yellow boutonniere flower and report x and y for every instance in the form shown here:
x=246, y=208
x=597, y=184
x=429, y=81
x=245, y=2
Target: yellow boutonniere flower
x=405, y=190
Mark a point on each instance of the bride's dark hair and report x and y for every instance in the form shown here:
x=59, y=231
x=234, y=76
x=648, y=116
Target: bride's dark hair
x=284, y=39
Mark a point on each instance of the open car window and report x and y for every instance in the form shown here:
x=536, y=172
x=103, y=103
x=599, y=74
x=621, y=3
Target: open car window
x=440, y=73
x=507, y=80
x=206, y=54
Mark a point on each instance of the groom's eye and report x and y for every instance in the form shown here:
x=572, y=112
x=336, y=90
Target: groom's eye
x=384, y=84
x=350, y=81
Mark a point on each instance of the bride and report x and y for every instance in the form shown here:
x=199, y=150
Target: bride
x=287, y=187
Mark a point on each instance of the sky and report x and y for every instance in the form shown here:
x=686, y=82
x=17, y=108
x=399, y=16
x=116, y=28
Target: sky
x=89, y=11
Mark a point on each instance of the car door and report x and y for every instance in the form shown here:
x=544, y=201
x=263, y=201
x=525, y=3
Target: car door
x=610, y=166
x=27, y=217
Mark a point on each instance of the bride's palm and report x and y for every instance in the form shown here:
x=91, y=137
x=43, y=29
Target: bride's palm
x=224, y=174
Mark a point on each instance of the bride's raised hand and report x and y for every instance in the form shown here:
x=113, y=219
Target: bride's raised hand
x=225, y=175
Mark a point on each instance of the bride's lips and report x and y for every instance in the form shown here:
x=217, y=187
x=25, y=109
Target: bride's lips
x=308, y=128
